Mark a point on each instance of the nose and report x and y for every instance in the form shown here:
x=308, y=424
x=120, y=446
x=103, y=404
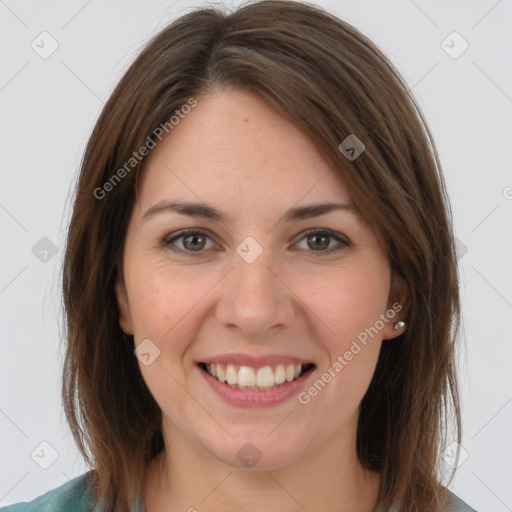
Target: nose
x=255, y=299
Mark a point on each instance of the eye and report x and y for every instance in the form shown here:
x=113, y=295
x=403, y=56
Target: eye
x=319, y=239
x=195, y=240
x=192, y=240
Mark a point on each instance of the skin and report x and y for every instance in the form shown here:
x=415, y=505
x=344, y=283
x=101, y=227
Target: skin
x=234, y=152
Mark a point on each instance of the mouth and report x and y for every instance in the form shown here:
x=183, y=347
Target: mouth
x=263, y=378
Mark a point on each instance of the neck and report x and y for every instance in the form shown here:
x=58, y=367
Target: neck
x=329, y=477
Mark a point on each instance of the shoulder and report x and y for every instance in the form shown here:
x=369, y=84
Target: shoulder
x=73, y=495
x=457, y=505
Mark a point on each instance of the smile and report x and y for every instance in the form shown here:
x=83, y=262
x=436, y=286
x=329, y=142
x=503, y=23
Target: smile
x=249, y=378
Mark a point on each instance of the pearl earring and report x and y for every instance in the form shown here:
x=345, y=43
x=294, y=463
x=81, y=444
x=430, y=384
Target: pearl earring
x=399, y=325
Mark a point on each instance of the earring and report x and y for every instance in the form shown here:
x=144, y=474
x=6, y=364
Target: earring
x=399, y=325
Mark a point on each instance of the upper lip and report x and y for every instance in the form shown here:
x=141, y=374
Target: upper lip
x=254, y=361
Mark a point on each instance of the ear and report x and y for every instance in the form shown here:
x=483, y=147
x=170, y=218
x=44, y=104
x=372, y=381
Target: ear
x=397, y=303
x=125, y=317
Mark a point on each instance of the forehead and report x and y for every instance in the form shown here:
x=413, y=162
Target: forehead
x=234, y=147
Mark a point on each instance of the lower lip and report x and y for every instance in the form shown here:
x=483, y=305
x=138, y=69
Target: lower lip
x=249, y=398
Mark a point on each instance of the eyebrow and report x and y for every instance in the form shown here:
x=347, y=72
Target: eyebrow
x=205, y=211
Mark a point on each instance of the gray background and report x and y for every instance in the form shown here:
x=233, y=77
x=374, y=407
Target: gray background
x=49, y=106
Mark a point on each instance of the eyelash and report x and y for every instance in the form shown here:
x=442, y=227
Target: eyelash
x=168, y=242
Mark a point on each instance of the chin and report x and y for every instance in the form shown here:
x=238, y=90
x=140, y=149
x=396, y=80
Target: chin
x=258, y=451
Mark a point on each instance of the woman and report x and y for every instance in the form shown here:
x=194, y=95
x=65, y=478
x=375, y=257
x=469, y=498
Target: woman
x=260, y=279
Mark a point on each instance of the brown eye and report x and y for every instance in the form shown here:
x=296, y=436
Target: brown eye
x=194, y=242
x=319, y=241
x=190, y=241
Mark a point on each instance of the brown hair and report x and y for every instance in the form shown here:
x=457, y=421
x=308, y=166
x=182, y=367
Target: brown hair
x=331, y=81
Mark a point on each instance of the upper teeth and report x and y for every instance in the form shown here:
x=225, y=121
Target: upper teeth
x=253, y=378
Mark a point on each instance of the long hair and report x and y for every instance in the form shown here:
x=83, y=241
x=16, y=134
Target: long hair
x=331, y=81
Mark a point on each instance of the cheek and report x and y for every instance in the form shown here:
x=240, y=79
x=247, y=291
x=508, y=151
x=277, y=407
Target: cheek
x=165, y=309
x=349, y=306
x=165, y=301
x=348, y=303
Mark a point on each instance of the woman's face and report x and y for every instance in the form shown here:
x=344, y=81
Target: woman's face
x=249, y=291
